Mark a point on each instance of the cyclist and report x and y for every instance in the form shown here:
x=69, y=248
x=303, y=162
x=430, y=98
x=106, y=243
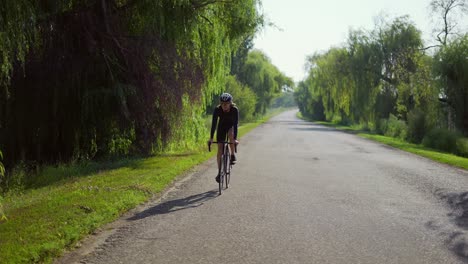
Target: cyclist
x=228, y=115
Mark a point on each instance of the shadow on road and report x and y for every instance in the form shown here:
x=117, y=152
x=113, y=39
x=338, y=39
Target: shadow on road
x=315, y=128
x=176, y=205
x=458, y=202
x=309, y=126
x=457, y=241
x=457, y=244
x=287, y=122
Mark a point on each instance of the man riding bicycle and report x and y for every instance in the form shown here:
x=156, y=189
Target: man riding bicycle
x=228, y=115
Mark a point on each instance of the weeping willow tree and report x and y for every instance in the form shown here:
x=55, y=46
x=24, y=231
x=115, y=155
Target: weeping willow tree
x=452, y=68
x=265, y=80
x=373, y=76
x=84, y=79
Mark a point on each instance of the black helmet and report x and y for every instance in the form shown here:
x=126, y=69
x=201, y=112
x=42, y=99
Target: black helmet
x=225, y=97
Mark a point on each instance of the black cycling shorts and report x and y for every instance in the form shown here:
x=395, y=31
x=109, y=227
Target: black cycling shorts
x=221, y=133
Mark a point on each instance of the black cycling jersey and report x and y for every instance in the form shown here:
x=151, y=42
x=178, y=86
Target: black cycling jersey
x=226, y=121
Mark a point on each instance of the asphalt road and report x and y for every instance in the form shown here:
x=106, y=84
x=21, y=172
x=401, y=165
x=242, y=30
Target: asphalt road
x=300, y=193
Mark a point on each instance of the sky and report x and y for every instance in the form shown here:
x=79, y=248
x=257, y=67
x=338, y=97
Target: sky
x=309, y=26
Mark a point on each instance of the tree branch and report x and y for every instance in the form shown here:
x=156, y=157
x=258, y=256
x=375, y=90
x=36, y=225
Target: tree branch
x=200, y=3
x=430, y=47
x=204, y=17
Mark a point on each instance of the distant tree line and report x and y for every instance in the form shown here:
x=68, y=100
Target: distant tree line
x=389, y=82
x=256, y=84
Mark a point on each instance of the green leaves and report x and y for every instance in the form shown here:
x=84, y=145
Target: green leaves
x=18, y=33
x=452, y=68
x=2, y=168
x=244, y=98
x=265, y=80
x=81, y=79
x=2, y=176
x=370, y=77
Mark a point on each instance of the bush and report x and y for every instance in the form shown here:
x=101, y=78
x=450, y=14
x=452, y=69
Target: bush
x=244, y=98
x=396, y=128
x=120, y=143
x=2, y=169
x=442, y=139
x=2, y=214
x=2, y=175
x=16, y=178
x=416, y=126
x=364, y=126
x=381, y=126
x=462, y=147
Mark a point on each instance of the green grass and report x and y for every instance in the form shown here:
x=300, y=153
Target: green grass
x=441, y=157
x=417, y=149
x=43, y=221
x=66, y=203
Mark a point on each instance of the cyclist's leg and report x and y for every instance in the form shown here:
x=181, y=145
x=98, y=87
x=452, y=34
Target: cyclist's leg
x=220, y=136
x=231, y=139
x=232, y=146
x=220, y=152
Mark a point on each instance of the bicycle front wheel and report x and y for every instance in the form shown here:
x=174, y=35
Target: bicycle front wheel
x=221, y=178
x=228, y=170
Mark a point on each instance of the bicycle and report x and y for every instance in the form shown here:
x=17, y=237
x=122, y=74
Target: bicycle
x=224, y=171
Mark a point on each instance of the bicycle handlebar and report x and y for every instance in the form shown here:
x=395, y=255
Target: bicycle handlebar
x=223, y=142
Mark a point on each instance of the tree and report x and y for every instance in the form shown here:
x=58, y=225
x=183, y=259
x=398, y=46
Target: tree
x=85, y=79
x=265, y=80
x=244, y=98
x=365, y=69
x=309, y=105
x=400, y=43
x=371, y=77
x=448, y=11
x=452, y=68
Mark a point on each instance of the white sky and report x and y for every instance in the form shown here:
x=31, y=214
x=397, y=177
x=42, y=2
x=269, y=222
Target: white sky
x=317, y=25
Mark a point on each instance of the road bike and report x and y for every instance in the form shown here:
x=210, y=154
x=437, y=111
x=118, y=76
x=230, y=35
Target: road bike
x=226, y=165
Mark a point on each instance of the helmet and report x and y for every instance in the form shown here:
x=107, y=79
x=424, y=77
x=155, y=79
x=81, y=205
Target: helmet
x=225, y=97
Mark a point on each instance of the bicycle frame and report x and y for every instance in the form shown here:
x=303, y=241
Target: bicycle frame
x=225, y=164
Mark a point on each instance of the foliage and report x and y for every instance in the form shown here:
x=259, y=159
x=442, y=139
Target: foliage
x=244, y=98
x=395, y=128
x=452, y=68
x=311, y=106
x=92, y=79
x=441, y=139
x=17, y=36
x=370, y=77
x=2, y=168
x=286, y=99
x=265, y=80
x=384, y=79
x=416, y=126
x=2, y=177
x=462, y=147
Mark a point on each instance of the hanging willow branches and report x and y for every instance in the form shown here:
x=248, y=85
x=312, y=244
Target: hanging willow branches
x=82, y=79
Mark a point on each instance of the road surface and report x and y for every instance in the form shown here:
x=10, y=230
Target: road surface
x=300, y=193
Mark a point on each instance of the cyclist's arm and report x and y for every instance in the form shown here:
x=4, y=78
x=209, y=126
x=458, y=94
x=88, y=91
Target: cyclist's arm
x=214, y=122
x=236, y=123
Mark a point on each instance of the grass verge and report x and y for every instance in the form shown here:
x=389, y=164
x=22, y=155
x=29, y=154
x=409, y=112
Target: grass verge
x=417, y=149
x=71, y=202
x=441, y=157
